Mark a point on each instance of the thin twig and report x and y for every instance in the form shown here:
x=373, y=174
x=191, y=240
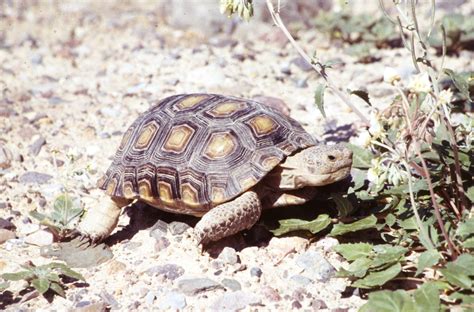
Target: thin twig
x=331, y=85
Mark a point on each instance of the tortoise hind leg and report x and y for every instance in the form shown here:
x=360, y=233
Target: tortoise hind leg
x=100, y=221
x=229, y=218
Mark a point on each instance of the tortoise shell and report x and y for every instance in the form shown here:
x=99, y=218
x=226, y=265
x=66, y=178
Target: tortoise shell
x=189, y=153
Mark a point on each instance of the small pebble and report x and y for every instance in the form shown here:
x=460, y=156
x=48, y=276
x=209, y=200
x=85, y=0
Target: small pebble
x=161, y=244
x=296, y=305
x=35, y=148
x=5, y=157
x=6, y=225
x=172, y=301
x=177, y=228
x=6, y=235
x=285, y=69
x=302, y=64
x=193, y=286
x=301, y=83
x=169, y=271
x=256, y=272
x=40, y=238
x=110, y=300
x=318, y=304
x=33, y=177
x=231, y=284
x=229, y=255
x=150, y=297
x=159, y=229
x=235, y=301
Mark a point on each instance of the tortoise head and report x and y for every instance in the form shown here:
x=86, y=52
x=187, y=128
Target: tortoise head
x=316, y=166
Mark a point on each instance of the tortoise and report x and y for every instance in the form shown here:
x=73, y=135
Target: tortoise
x=217, y=157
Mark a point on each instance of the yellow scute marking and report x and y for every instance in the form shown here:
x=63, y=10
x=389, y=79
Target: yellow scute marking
x=271, y=162
x=248, y=182
x=125, y=138
x=128, y=190
x=263, y=124
x=218, y=195
x=189, y=195
x=144, y=188
x=146, y=135
x=111, y=186
x=190, y=101
x=226, y=109
x=220, y=145
x=179, y=138
x=166, y=194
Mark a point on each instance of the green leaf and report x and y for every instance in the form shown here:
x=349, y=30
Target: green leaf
x=357, y=268
x=387, y=255
x=456, y=276
x=389, y=301
x=319, y=98
x=64, y=210
x=343, y=205
x=38, y=216
x=64, y=269
x=18, y=276
x=469, y=243
x=459, y=81
x=470, y=194
x=427, y=259
x=41, y=285
x=358, y=177
x=352, y=252
x=466, y=299
x=379, y=278
x=466, y=263
x=57, y=289
x=427, y=298
x=363, y=224
x=364, y=95
x=314, y=226
x=466, y=228
x=361, y=157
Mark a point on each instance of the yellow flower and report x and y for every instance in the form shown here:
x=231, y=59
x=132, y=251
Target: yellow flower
x=419, y=83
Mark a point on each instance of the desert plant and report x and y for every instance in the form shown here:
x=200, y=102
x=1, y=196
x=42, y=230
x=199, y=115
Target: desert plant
x=44, y=277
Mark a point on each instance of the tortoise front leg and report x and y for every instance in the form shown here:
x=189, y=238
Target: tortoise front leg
x=100, y=221
x=229, y=218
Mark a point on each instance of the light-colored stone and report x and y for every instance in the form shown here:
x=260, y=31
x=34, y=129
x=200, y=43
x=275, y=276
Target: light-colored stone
x=40, y=238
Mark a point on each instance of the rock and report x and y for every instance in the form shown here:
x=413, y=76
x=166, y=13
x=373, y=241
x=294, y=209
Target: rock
x=35, y=148
x=5, y=157
x=161, y=244
x=169, y=271
x=270, y=293
x=274, y=103
x=6, y=225
x=87, y=306
x=115, y=266
x=318, y=304
x=301, y=83
x=301, y=280
x=231, y=284
x=255, y=271
x=40, y=238
x=296, y=305
x=150, y=297
x=159, y=229
x=315, y=266
x=229, y=255
x=193, y=286
x=235, y=301
x=110, y=300
x=178, y=228
x=172, y=301
x=209, y=77
x=6, y=235
x=285, y=69
x=33, y=177
x=302, y=64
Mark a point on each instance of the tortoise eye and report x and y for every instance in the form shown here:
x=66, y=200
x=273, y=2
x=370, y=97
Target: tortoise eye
x=331, y=157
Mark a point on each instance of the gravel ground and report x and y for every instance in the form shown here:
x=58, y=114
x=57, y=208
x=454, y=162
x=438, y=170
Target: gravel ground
x=75, y=75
